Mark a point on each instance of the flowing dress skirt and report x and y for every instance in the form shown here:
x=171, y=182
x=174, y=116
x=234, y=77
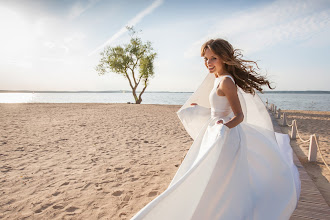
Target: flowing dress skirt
x=238, y=173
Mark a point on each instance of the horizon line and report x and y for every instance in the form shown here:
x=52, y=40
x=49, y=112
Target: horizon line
x=129, y=91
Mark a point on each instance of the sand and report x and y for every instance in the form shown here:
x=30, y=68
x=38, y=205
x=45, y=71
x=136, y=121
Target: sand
x=308, y=123
x=86, y=161
x=93, y=161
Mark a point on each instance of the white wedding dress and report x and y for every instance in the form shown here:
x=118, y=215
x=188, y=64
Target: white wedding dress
x=246, y=172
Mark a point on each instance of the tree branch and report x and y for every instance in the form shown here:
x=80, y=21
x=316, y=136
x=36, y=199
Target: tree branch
x=129, y=80
x=140, y=79
x=133, y=74
x=145, y=86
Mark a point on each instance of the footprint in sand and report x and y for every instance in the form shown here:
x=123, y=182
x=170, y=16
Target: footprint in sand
x=117, y=193
x=55, y=193
x=128, y=196
x=5, y=168
x=123, y=215
x=152, y=193
x=118, y=184
x=134, y=179
x=86, y=186
x=119, y=168
x=71, y=209
x=58, y=207
x=43, y=207
x=19, y=149
x=65, y=183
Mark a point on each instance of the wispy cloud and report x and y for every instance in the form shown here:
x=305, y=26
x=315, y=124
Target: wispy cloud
x=132, y=22
x=20, y=63
x=268, y=25
x=80, y=7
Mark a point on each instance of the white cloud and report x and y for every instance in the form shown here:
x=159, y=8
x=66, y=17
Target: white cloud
x=132, y=22
x=262, y=27
x=49, y=44
x=66, y=49
x=79, y=7
x=52, y=59
x=58, y=45
x=25, y=64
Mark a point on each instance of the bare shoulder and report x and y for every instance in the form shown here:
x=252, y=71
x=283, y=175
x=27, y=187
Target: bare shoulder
x=227, y=85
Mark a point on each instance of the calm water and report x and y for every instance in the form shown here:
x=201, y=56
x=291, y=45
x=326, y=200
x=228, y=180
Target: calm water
x=289, y=101
x=148, y=98
x=299, y=101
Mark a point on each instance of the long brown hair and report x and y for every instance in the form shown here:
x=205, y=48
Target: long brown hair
x=245, y=75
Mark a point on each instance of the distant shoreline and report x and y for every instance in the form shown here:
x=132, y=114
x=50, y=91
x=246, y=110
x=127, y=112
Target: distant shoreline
x=116, y=91
x=128, y=91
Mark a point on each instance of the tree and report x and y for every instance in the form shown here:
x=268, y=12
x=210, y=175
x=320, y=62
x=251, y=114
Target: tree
x=127, y=60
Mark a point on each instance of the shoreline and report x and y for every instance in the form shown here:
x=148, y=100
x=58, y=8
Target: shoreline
x=87, y=160
x=126, y=103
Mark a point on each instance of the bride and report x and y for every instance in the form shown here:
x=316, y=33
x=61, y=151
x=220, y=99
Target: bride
x=237, y=167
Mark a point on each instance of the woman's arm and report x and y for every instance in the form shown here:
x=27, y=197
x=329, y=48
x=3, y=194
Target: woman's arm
x=230, y=90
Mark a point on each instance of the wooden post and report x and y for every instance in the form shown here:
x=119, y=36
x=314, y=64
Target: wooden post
x=284, y=123
x=279, y=113
x=312, y=148
x=294, y=130
x=275, y=109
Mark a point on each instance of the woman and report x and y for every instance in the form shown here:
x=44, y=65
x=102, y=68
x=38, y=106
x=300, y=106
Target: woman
x=237, y=167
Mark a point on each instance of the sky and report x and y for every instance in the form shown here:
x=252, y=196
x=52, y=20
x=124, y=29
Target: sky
x=56, y=45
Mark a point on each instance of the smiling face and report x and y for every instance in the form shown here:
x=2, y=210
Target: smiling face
x=213, y=62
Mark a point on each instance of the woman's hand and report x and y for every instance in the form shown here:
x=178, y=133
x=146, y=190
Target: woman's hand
x=193, y=104
x=220, y=121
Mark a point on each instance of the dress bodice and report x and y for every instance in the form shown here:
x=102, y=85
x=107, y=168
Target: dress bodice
x=220, y=106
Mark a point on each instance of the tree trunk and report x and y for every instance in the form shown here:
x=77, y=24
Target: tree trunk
x=140, y=95
x=135, y=97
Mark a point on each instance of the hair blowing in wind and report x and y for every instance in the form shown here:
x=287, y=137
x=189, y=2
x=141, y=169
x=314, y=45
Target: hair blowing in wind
x=245, y=75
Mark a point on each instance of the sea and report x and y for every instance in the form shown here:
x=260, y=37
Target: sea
x=299, y=100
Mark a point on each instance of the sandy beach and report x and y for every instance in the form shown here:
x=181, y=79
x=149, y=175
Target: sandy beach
x=86, y=161
x=103, y=161
x=308, y=123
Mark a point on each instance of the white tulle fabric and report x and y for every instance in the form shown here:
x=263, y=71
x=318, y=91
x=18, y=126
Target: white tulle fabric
x=246, y=172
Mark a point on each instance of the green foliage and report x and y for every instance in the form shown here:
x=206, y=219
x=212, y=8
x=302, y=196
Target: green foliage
x=147, y=66
x=126, y=59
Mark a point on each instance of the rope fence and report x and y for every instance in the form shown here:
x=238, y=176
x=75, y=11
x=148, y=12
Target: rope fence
x=313, y=140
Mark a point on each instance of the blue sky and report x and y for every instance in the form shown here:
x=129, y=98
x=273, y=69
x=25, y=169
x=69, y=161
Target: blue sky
x=55, y=45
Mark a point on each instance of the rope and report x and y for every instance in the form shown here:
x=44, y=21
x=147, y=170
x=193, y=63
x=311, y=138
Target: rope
x=291, y=124
x=318, y=147
x=304, y=141
x=298, y=132
x=301, y=138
